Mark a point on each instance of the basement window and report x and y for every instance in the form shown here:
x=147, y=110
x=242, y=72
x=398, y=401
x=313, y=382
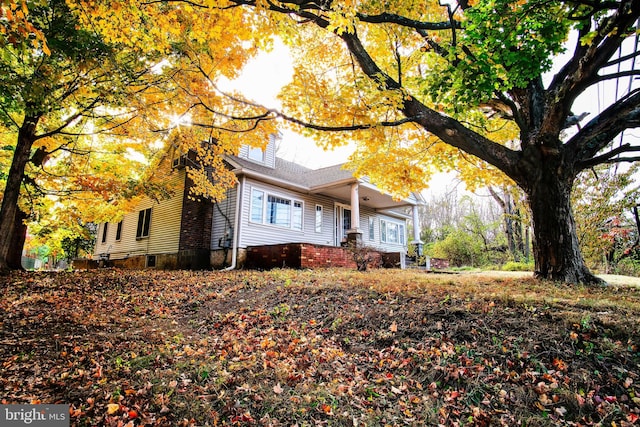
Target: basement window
x=151, y=260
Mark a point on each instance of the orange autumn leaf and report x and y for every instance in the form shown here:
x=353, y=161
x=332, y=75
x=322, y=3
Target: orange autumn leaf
x=326, y=409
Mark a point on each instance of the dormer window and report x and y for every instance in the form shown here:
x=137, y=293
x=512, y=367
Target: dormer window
x=264, y=156
x=256, y=154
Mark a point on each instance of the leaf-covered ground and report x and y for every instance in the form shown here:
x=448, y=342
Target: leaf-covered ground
x=330, y=347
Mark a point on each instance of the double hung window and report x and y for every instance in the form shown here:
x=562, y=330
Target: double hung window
x=372, y=235
x=318, y=218
x=119, y=232
x=275, y=210
x=392, y=232
x=256, y=154
x=144, y=221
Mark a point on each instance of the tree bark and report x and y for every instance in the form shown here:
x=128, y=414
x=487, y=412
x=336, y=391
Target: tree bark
x=19, y=236
x=505, y=205
x=522, y=247
x=9, y=207
x=556, y=250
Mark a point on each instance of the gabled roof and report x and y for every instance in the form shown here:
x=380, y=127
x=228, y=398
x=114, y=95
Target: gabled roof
x=332, y=180
x=294, y=173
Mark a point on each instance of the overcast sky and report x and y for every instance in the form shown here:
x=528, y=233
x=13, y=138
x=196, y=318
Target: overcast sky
x=261, y=81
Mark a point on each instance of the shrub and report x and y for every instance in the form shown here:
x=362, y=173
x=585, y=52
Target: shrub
x=627, y=267
x=362, y=254
x=460, y=249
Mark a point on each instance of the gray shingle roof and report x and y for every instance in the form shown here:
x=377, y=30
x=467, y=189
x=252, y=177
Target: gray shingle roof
x=295, y=173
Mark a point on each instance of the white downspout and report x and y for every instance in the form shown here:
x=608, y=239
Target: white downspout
x=236, y=231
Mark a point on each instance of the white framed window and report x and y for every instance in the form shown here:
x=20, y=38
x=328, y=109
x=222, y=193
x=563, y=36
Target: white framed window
x=372, y=233
x=144, y=222
x=256, y=154
x=119, y=232
x=257, y=205
x=296, y=215
x=277, y=210
x=104, y=232
x=392, y=232
x=318, y=218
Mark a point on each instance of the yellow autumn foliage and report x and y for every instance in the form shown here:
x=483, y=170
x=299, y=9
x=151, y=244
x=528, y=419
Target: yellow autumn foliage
x=209, y=39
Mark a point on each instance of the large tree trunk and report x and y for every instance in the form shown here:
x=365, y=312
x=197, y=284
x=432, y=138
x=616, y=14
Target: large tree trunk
x=19, y=236
x=556, y=249
x=9, y=208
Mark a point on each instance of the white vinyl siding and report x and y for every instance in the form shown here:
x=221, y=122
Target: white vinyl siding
x=224, y=220
x=257, y=233
x=319, y=226
x=302, y=228
x=266, y=157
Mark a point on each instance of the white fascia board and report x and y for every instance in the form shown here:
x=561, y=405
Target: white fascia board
x=407, y=202
x=338, y=183
x=266, y=178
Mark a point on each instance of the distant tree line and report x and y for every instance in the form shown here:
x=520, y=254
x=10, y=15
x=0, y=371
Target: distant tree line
x=491, y=227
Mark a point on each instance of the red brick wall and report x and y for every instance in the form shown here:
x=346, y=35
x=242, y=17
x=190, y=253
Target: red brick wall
x=273, y=256
x=302, y=255
x=197, y=220
x=313, y=256
x=439, y=263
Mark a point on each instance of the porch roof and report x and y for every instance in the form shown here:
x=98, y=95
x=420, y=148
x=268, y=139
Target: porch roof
x=333, y=181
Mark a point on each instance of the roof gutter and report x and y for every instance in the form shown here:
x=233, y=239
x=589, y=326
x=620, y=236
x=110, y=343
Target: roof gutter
x=267, y=178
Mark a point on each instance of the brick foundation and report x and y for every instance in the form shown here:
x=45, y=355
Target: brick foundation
x=312, y=256
x=303, y=255
x=439, y=263
x=84, y=264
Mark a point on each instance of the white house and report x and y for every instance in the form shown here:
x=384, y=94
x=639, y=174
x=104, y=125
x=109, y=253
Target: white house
x=279, y=214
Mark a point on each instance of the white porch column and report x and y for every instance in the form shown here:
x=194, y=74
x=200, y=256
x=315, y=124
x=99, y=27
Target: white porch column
x=417, y=243
x=354, y=235
x=416, y=224
x=355, y=208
